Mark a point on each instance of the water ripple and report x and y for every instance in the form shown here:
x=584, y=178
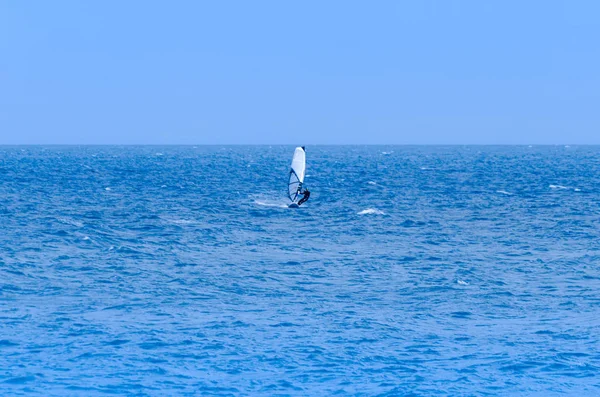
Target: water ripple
x=411, y=271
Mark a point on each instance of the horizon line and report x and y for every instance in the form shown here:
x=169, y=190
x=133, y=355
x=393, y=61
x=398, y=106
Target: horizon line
x=302, y=144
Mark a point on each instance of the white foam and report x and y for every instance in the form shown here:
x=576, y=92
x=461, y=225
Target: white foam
x=107, y=189
x=372, y=183
x=86, y=238
x=460, y=282
x=272, y=204
x=371, y=211
x=577, y=190
x=504, y=192
x=159, y=154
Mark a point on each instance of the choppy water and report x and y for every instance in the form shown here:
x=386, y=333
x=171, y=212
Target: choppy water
x=411, y=271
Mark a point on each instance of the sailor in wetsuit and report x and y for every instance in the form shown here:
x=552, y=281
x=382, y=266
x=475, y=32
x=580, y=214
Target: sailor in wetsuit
x=304, y=199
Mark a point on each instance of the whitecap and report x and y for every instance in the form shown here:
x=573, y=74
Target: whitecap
x=460, y=282
x=179, y=221
x=577, y=190
x=372, y=183
x=159, y=154
x=371, y=211
x=107, y=189
x=504, y=192
x=557, y=187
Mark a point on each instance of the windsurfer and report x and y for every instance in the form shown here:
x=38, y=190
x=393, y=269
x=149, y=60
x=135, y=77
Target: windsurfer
x=304, y=199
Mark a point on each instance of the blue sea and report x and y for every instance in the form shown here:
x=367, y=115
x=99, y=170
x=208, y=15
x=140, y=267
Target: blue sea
x=411, y=271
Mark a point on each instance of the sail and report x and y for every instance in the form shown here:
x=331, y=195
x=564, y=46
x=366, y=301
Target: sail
x=296, y=173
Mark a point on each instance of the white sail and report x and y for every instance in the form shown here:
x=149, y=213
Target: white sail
x=296, y=173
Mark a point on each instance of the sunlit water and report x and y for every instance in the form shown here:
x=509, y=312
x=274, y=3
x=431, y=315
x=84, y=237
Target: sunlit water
x=410, y=271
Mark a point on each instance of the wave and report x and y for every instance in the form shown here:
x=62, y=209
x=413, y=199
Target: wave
x=71, y=222
x=504, y=192
x=176, y=221
x=371, y=211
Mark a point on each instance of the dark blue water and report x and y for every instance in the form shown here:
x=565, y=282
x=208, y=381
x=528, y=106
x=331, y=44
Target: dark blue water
x=411, y=271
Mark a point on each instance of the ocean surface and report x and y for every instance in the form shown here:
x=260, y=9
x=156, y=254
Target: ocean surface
x=417, y=271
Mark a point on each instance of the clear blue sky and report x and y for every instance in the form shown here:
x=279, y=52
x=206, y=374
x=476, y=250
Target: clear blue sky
x=311, y=72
